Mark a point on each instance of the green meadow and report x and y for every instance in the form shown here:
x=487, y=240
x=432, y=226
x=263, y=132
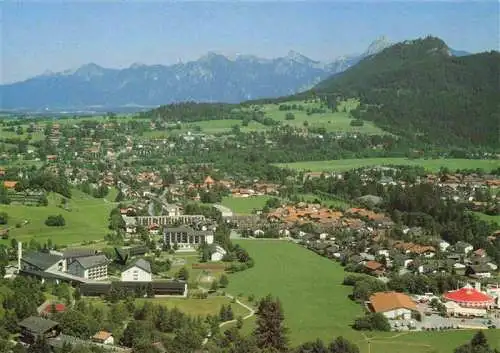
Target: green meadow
x=245, y=205
x=338, y=121
x=432, y=165
x=489, y=218
x=316, y=305
x=86, y=219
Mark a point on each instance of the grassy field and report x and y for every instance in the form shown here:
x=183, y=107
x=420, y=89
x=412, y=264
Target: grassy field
x=432, y=165
x=189, y=306
x=206, y=127
x=87, y=220
x=316, y=304
x=195, y=307
x=244, y=205
x=333, y=122
x=489, y=218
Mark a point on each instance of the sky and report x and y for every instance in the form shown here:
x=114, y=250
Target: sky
x=36, y=36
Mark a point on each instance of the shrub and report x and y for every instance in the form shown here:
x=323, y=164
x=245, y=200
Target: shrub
x=4, y=218
x=372, y=322
x=55, y=221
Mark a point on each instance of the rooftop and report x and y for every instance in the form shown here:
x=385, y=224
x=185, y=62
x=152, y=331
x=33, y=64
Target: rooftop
x=92, y=261
x=41, y=260
x=37, y=324
x=142, y=264
x=386, y=301
x=468, y=294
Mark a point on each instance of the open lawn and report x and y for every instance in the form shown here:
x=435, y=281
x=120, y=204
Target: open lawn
x=87, y=220
x=245, y=205
x=206, y=127
x=338, y=121
x=195, y=307
x=316, y=304
x=432, y=165
x=489, y=218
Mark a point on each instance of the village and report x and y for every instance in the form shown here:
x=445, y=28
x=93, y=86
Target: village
x=166, y=219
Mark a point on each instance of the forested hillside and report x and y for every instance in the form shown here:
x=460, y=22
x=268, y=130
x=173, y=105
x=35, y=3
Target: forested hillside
x=416, y=89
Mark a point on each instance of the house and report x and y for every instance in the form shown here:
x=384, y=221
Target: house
x=393, y=305
x=374, y=268
x=9, y=184
x=225, y=211
x=90, y=267
x=209, y=182
x=478, y=271
x=42, y=261
x=154, y=229
x=103, y=337
x=34, y=328
x=185, y=237
x=217, y=253
x=172, y=210
x=443, y=245
x=463, y=247
x=130, y=224
x=139, y=271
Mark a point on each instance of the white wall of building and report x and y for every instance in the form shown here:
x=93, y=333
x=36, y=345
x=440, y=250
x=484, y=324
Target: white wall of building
x=135, y=273
x=398, y=313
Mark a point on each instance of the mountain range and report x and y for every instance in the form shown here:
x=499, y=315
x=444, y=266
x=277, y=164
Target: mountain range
x=213, y=77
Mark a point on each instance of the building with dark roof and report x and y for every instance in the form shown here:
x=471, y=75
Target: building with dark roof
x=42, y=261
x=90, y=267
x=71, y=254
x=185, y=237
x=96, y=289
x=34, y=328
x=139, y=271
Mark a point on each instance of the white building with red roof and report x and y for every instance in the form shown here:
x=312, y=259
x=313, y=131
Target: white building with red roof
x=470, y=297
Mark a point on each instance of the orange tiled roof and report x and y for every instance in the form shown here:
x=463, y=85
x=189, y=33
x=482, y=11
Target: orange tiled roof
x=373, y=265
x=9, y=184
x=102, y=335
x=386, y=301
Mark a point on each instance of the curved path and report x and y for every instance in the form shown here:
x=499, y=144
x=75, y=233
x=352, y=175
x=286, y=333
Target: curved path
x=222, y=324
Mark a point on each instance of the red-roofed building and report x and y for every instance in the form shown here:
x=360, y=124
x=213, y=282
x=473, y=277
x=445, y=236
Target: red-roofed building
x=470, y=297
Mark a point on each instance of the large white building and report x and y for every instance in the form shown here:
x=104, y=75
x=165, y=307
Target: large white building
x=140, y=271
x=90, y=267
x=393, y=305
x=187, y=238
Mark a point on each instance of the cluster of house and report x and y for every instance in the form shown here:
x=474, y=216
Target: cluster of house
x=354, y=218
x=35, y=328
x=459, y=258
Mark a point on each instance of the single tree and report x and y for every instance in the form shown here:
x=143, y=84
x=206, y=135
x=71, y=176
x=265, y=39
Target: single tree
x=223, y=281
x=270, y=332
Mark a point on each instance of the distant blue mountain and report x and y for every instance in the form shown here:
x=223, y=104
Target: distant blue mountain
x=213, y=77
